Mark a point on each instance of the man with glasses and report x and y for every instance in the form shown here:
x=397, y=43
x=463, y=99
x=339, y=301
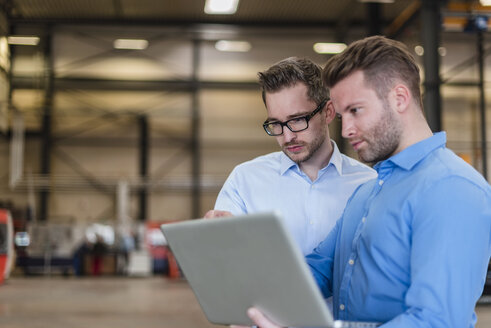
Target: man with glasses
x=310, y=181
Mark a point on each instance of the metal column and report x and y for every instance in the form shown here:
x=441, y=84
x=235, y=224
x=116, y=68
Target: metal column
x=430, y=35
x=46, y=133
x=195, y=144
x=374, y=19
x=144, y=154
x=10, y=74
x=482, y=103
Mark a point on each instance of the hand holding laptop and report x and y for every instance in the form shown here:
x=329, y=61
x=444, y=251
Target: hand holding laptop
x=217, y=214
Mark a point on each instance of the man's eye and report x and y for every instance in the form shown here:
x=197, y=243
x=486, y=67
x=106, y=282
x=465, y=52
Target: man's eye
x=297, y=120
x=354, y=110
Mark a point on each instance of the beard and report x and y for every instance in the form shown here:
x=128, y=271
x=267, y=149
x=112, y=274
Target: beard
x=382, y=139
x=309, y=148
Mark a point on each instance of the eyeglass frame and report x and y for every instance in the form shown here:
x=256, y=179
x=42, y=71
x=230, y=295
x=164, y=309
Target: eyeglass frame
x=307, y=118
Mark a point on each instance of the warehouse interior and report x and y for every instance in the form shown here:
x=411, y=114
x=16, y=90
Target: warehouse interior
x=102, y=142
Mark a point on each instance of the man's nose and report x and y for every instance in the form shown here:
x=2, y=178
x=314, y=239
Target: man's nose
x=347, y=128
x=288, y=135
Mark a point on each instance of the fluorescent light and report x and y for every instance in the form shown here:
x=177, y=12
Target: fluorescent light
x=133, y=44
x=233, y=46
x=329, y=48
x=23, y=40
x=485, y=2
x=221, y=7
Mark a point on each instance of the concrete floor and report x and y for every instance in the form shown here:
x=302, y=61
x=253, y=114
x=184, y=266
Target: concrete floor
x=58, y=302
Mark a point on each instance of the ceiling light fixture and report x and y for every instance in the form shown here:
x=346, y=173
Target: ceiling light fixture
x=221, y=7
x=485, y=2
x=132, y=44
x=23, y=40
x=329, y=48
x=233, y=46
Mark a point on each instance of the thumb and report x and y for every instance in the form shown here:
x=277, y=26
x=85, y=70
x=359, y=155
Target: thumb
x=259, y=319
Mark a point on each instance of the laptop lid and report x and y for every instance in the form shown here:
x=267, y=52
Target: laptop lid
x=235, y=263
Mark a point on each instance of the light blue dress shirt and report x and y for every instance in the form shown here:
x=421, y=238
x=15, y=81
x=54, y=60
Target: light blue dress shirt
x=310, y=208
x=413, y=247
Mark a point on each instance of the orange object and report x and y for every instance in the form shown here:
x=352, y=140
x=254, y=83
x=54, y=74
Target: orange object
x=174, y=272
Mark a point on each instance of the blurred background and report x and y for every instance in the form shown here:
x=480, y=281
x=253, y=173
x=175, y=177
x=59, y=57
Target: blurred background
x=118, y=116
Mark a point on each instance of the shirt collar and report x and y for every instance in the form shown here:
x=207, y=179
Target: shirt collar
x=336, y=160
x=410, y=156
x=286, y=163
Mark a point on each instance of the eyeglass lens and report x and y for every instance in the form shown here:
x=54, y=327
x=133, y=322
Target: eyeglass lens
x=295, y=125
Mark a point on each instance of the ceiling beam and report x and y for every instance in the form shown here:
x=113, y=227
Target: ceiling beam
x=278, y=23
x=65, y=83
x=405, y=18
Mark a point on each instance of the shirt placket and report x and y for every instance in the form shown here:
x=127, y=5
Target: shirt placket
x=307, y=188
x=383, y=175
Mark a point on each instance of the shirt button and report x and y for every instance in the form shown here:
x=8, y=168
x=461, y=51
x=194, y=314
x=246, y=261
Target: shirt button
x=380, y=182
x=363, y=219
x=351, y=262
x=311, y=222
x=341, y=307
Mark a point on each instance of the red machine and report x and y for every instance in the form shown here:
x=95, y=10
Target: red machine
x=6, y=244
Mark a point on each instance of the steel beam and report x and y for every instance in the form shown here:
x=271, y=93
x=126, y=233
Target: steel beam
x=374, y=18
x=482, y=103
x=344, y=20
x=285, y=23
x=195, y=132
x=143, y=169
x=46, y=139
x=123, y=85
x=405, y=18
x=430, y=35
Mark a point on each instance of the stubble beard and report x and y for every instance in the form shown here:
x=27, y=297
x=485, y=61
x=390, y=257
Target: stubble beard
x=383, y=139
x=311, y=148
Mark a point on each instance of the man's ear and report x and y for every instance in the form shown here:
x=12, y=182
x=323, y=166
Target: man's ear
x=330, y=112
x=401, y=97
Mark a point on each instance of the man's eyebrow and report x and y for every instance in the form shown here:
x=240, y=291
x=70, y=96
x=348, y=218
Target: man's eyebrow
x=272, y=119
x=304, y=113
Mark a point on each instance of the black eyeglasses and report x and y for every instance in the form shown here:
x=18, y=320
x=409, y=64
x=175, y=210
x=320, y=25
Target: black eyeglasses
x=296, y=124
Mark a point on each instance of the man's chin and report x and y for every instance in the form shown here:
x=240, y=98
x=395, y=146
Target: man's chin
x=297, y=158
x=367, y=159
x=371, y=158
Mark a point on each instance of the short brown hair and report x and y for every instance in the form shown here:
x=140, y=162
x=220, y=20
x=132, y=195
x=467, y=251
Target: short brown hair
x=291, y=71
x=382, y=60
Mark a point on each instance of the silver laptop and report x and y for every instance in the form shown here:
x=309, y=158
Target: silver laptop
x=236, y=263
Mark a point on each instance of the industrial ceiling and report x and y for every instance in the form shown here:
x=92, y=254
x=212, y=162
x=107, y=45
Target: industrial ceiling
x=317, y=12
x=388, y=17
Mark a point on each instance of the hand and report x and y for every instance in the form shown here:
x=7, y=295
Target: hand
x=217, y=214
x=259, y=319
